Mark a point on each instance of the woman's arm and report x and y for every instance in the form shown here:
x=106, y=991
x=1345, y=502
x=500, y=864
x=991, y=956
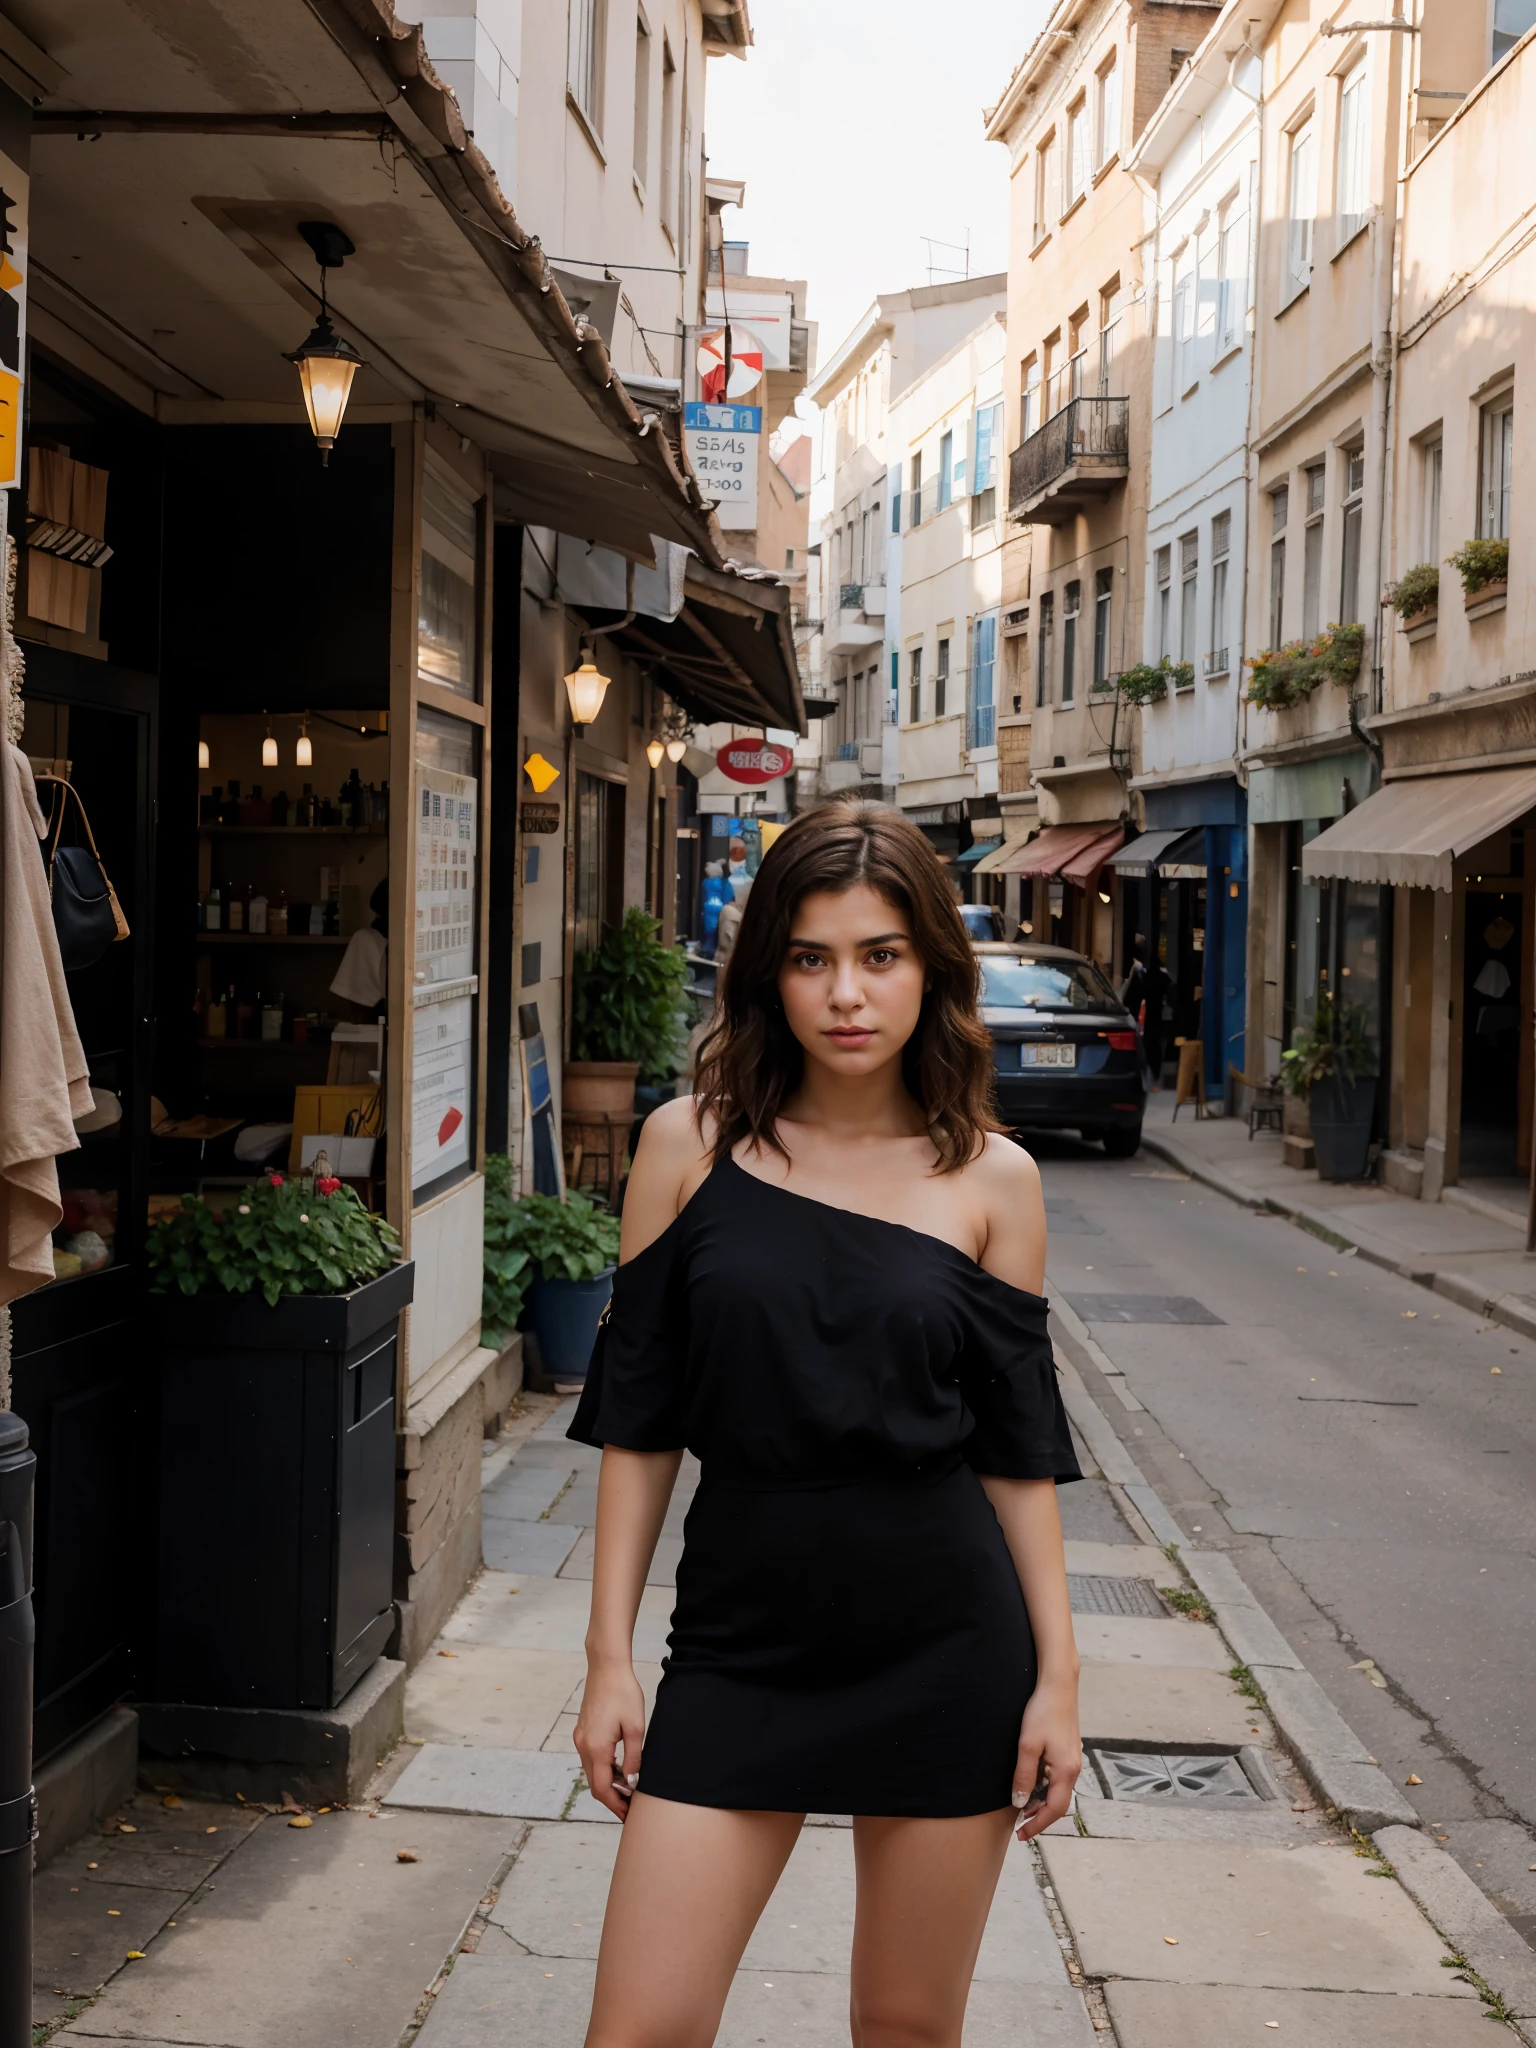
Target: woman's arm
x=1050, y=1747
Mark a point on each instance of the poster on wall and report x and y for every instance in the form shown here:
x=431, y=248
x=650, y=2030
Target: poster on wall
x=723, y=441
x=443, y=1026
x=14, y=187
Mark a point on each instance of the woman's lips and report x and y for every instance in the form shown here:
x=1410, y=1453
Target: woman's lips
x=850, y=1034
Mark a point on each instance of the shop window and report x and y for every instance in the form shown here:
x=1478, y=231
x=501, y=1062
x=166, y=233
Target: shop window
x=446, y=992
x=1070, y=610
x=446, y=639
x=1312, y=555
x=1496, y=467
x=1354, y=523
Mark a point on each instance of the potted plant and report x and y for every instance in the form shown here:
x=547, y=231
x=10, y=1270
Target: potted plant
x=1149, y=681
x=277, y=1318
x=1281, y=677
x=508, y=1265
x=1331, y=1066
x=628, y=1018
x=1415, y=597
x=1484, y=569
x=561, y=1257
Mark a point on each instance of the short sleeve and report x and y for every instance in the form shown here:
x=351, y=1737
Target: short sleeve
x=635, y=1393
x=1007, y=1375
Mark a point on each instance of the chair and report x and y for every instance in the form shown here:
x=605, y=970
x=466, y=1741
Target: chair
x=1191, y=1078
x=1266, y=1106
x=595, y=1146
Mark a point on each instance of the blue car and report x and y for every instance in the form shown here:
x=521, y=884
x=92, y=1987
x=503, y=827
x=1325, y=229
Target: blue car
x=1066, y=1050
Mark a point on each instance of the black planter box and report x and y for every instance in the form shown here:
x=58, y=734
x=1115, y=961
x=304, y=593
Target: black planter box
x=277, y=1493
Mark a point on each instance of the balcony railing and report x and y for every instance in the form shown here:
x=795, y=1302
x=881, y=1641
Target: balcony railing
x=1218, y=663
x=851, y=597
x=983, y=725
x=1086, y=444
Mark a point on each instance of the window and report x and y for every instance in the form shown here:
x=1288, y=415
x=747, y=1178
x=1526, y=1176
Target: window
x=1221, y=546
x=1511, y=19
x=1302, y=207
x=1078, y=330
x=1103, y=601
x=1312, y=555
x=1164, y=601
x=915, y=503
x=642, y=153
x=896, y=499
x=1070, y=609
x=941, y=680
x=1111, y=306
x=1043, y=647
x=1046, y=187
x=1354, y=525
x=1077, y=154
x=1108, y=123
x=1497, y=459
x=1030, y=411
x=1279, y=509
x=1183, y=323
x=1231, y=276
x=876, y=568
x=895, y=683
x=946, y=470
x=1352, y=191
x=584, y=59
x=864, y=569
x=915, y=685
x=989, y=433
x=1431, y=469
x=984, y=681
x=670, y=179
x=446, y=617
x=1189, y=587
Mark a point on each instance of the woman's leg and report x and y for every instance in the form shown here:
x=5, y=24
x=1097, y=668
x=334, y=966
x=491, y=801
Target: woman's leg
x=688, y=1887
x=925, y=1888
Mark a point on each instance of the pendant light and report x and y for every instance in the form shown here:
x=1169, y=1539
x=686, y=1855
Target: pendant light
x=676, y=749
x=204, y=758
x=586, y=686
x=326, y=361
x=655, y=753
x=304, y=753
x=269, y=748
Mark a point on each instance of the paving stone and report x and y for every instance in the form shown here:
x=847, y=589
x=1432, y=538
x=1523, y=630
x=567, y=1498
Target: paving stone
x=527, y=1547
x=1130, y=1820
x=518, y=1783
x=81, y=1936
x=1469, y=1921
x=553, y=1898
x=1121, y=1561
x=1127, y=1639
x=663, y=1568
x=314, y=1938
x=492, y=1697
x=1012, y=2015
x=1220, y=2016
x=1254, y=1638
x=1152, y=1703
x=525, y=1490
x=497, y=1997
x=1089, y=1513
x=579, y=1503
x=1309, y=1918
x=535, y=1613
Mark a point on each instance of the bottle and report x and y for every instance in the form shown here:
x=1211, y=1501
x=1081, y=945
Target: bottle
x=306, y=806
x=216, y=1023
x=213, y=909
x=280, y=808
x=272, y=1020
x=352, y=800
x=277, y=917
x=256, y=913
x=235, y=909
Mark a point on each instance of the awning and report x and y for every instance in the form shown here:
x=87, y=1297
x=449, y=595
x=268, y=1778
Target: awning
x=1410, y=834
x=975, y=853
x=1083, y=868
x=1002, y=860
x=1059, y=844
x=1184, y=861
x=1139, y=860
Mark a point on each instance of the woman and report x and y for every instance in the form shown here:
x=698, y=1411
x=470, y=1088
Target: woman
x=829, y=1290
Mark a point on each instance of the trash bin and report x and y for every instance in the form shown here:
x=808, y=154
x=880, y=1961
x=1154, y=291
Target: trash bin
x=18, y=1802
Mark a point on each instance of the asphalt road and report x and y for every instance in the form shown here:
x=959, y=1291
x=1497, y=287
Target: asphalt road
x=1366, y=1451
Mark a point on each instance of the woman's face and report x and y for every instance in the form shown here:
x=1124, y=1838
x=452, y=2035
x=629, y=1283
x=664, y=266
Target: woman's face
x=852, y=981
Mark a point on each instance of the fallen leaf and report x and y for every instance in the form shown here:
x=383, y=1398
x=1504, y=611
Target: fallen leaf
x=1496, y=1369
x=113, y=1913
x=302, y=1820
x=135, y=1955
x=210, y=1831
x=172, y=1799
x=406, y=1856
x=1272, y=2023
x=241, y=1797
x=322, y=1809
x=123, y=1827
x=1365, y=1664
x=1172, y=1940
x=1413, y=1778
x=447, y=1653
x=1410, y=1313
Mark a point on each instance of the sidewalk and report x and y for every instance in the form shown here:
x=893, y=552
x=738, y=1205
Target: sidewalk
x=1203, y=1895
x=1470, y=1246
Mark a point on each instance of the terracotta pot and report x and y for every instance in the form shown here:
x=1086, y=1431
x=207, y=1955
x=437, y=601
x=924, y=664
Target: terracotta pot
x=1426, y=616
x=598, y=1087
x=1486, y=593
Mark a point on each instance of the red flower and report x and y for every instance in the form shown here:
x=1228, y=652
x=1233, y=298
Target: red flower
x=275, y=1180
x=327, y=1184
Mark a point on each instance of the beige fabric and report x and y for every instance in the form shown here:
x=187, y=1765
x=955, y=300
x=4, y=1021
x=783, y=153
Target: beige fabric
x=43, y=1081
x=1411, y=833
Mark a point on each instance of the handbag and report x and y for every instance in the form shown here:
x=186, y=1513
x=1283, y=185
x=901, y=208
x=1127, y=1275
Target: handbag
x=86, y=913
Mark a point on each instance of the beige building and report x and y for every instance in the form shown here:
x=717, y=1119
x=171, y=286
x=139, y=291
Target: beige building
x=1078, y=389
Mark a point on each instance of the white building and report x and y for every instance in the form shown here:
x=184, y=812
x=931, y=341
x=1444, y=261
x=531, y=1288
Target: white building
x=944, y=440
x=861, y=470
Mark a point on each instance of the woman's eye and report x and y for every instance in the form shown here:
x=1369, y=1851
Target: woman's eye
x=881, y=957
x=808, y=960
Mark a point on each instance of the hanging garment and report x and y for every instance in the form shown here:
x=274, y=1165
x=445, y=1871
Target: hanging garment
x=44, y=1084
x=1493, y=980
x=360, y=977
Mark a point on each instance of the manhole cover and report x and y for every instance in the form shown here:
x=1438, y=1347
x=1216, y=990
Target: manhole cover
x=1091, y=1594
x=1141, y=1308
x=1147, y=1776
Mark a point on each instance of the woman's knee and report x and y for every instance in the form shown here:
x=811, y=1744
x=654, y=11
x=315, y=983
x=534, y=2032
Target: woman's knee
x=880, y=2021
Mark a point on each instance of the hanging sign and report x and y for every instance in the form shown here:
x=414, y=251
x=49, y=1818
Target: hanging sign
x=754, y=761
x=746, y=371
x=722, y=442
x=14, y=186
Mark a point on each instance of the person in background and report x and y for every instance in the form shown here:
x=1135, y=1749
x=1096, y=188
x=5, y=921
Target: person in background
x=717, y=893
x=1142, y=994
x=730, y=923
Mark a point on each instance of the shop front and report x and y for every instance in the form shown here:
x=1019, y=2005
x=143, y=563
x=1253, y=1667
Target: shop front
x=1066, y=885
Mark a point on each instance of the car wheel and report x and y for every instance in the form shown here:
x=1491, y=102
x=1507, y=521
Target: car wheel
x=1122, y=1144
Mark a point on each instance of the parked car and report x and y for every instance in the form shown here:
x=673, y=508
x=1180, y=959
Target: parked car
x=983, y=921
x=1066, y=1049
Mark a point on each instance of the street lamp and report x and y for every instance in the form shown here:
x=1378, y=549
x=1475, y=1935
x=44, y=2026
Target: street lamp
x=655, y=753
x=326, y=361
x=586, y=686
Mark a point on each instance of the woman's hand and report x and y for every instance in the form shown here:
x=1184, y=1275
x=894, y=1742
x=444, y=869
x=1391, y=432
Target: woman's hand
x=1050, y=1758
x=611, y=1725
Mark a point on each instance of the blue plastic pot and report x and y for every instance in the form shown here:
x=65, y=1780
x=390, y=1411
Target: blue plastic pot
x=564, y=1315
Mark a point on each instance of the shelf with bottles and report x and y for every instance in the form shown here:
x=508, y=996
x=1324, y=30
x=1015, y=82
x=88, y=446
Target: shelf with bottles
x=230, y=1019
x=359, y=807
x=207, y=938
x=292, y=831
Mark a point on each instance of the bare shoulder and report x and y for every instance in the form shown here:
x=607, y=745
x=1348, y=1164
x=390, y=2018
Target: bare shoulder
x=670, y=1159
x=1007, y=1180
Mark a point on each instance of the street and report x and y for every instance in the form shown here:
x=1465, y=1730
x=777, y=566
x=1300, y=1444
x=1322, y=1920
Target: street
x=1365, y=1451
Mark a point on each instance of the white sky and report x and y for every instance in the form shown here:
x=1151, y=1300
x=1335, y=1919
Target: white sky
x=857, y=127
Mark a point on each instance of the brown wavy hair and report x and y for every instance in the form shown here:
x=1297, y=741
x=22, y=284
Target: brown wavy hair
x=750, y=1062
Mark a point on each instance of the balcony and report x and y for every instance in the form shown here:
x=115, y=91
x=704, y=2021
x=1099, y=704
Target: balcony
x=859, y=622
x=1075, y=460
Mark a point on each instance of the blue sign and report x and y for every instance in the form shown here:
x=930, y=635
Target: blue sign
x=724, y=419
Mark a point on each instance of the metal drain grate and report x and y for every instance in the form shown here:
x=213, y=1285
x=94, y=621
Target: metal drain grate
x=1141, y=1308
x=1091, y=1594
x=1209, y=1776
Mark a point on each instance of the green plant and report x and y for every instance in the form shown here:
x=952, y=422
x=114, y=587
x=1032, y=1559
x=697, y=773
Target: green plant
x=1247, y=1684
x=627, y=1000
x=1480, y=562
x=1283, y=676
x=1148, y=681
x=304, y=1236
x=1194, y=1606
x=569, y=1240
x=1335, y=1043
x=1416, y=590
x=507, y=1267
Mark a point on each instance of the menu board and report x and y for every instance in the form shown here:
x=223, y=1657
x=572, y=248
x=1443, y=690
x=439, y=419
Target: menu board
x=443, y=1025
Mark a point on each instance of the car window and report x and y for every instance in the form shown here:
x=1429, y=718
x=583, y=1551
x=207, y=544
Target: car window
x=1015, y=982
x=981, y=920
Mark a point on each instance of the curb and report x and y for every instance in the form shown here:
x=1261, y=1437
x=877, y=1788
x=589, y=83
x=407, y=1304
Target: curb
x=1470, y=1923
x=1511, y=1310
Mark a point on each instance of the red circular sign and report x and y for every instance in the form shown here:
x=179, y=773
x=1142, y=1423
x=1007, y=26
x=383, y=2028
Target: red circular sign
x=753, y=761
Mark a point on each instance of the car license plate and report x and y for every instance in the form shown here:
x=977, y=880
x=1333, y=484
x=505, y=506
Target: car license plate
x=1047, y=1055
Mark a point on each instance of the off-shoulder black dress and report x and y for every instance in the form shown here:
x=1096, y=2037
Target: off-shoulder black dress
x=849, y=1635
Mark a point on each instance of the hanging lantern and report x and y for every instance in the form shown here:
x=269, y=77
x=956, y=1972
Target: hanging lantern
x=204, y=759
x=586, y=687
x=676, y=749
x=304, y=752
x=655, y=753
x=269, y=749
x=326, y=361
